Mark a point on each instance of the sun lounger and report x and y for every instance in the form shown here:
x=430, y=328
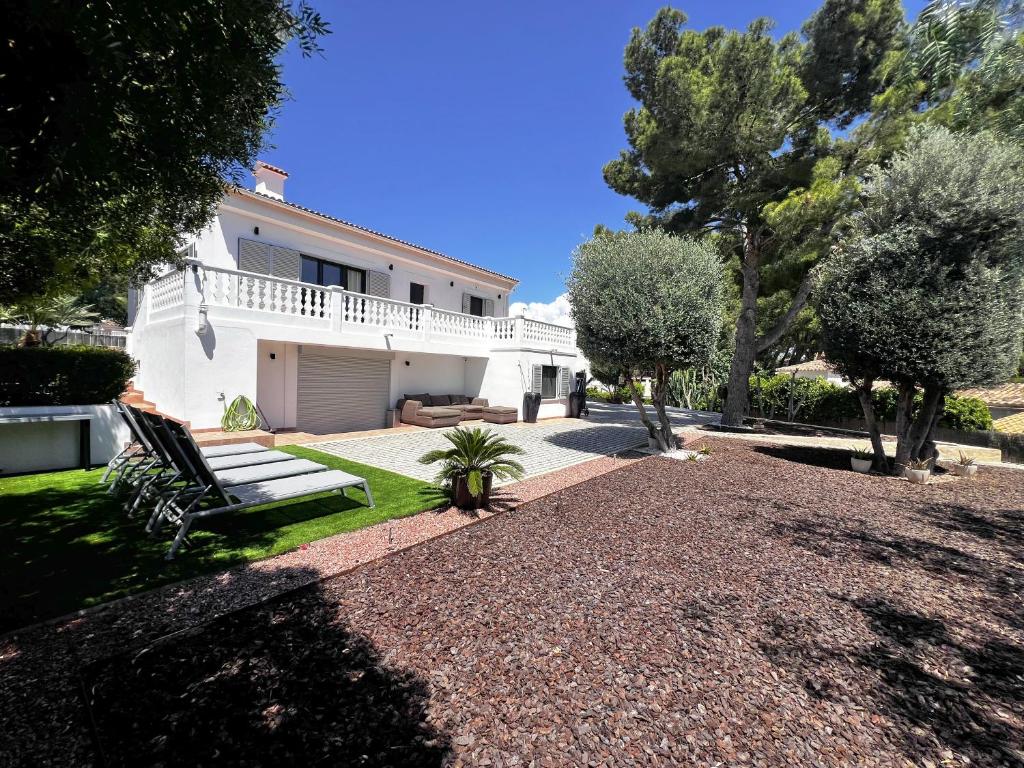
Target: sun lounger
x=209, y=495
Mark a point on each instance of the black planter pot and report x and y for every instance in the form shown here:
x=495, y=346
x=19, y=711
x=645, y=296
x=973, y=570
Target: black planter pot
x=531, y=407
x=577, y=402
x=465, y=500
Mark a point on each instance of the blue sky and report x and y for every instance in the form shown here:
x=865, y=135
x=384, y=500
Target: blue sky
x=476, y=129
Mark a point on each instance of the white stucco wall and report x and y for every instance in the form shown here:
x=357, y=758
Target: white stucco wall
x=44, y=446
x=218, y=246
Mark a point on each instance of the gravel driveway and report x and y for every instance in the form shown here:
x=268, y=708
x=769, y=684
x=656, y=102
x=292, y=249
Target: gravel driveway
x=747, y=610
x=550, y=445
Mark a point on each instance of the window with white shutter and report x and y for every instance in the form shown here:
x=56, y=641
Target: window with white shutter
x=564, y=381
x=488, y=307
x=285, y=262
x=378, y=284
x=253, y=256
x=537, y=378
x=467, y=301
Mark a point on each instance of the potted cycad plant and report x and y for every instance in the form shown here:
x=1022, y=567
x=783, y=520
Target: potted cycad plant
x=469, y=467
x=918, y=470
x=965, y=466
x=862, y=459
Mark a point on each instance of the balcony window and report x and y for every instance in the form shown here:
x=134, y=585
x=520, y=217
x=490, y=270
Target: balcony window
x=416, y=293
x=323, y=272
x=476, y=306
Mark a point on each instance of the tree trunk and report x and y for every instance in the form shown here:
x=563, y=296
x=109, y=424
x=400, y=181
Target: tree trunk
x=659, y=388
x=864, y=395
x=736, y=401
x=904, y=422
x=652, y=431
x=921, y=445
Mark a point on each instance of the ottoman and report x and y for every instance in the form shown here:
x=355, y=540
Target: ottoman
x=500, y=414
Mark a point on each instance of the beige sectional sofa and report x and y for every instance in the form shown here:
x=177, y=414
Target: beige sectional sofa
x=427, y=410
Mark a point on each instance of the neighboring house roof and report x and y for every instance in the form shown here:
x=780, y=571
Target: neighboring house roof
x=817, y=365
x=1009, y=395
x=1012, y=424
x=336, y=220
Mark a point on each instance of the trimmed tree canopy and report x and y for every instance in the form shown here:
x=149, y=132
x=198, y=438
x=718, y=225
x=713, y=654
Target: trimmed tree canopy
x=121, y=122
x=927, y=287
x=640, y=299
x=647, y=302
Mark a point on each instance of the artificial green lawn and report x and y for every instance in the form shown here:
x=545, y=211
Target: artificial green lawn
x=66, y=544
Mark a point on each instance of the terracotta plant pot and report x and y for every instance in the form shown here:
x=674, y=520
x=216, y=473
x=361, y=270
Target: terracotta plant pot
x=918, y=476
x=465, y=500
x=965, y=470
x=860, y=465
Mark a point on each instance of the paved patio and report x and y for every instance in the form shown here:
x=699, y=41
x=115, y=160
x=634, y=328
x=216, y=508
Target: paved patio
x=549, y=445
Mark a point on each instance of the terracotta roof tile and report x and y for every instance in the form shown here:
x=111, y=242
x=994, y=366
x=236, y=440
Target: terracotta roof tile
x=1009, y=395
x=818, y=364
x=336, y=220
x=273, y=168
x=1012, y=424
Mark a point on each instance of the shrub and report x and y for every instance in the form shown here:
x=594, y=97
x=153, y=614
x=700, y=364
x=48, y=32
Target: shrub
x=598, y=395
x=65, y=375
x=965, y=414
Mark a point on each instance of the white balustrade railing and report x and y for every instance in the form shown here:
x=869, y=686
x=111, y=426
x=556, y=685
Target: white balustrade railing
x=546, y=335
x=359, y=310
x=350, y=312
x=248, y=290
x=167, y=291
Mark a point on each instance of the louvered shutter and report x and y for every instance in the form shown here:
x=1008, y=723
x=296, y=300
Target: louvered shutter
x=538, y=379
x=378, y=284
x=488, y=307
x=253, y=256
x=564, y=381
x=285, y=262
x=467, y=303
x=338, y=391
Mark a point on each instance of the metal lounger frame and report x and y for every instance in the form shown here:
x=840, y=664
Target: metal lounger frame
x=183, y=508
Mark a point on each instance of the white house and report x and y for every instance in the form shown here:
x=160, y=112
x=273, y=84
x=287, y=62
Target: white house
x=325, y=324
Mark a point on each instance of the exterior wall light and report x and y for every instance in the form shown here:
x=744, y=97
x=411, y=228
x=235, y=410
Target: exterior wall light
x=202, y=321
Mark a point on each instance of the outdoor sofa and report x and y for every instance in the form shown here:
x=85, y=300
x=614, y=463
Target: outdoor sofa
x=427, y=410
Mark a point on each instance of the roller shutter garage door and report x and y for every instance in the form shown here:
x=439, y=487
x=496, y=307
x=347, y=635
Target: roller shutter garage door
x=339, y=391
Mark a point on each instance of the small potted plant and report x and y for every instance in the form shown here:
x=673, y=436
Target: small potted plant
x=469, y=467
x=965, y=466
x=862, y=459
x=918, y=470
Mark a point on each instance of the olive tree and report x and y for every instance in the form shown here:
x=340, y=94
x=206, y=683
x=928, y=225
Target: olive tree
x=925, y=288
x=650, y=302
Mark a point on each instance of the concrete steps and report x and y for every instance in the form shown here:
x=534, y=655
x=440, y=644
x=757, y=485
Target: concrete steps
x=137, y=398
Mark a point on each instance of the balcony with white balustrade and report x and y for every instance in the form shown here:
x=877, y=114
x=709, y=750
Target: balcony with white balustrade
x=277, y=309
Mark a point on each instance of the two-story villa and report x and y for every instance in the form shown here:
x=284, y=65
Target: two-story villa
x=326, y=324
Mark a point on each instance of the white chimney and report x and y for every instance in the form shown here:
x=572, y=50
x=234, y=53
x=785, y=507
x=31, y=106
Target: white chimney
x=269, y=180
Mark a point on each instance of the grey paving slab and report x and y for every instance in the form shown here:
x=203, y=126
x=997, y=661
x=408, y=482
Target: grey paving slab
x=549, y=445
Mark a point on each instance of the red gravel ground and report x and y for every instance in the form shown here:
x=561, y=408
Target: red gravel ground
x=751, y=609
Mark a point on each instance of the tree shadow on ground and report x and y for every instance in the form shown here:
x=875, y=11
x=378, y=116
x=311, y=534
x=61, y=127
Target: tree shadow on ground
x=957, y=695
x=601, y=439
x=282, y=683
x=829, y=458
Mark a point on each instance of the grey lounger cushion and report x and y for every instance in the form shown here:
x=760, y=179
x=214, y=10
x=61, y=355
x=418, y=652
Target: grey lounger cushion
x=290, y=487
x=248, y=459
x=257, y=473
x=232, y=450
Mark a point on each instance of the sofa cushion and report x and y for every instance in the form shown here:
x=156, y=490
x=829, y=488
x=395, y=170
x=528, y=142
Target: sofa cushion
x=458, y=399
x=424, y=399
x=498, y=409
x=441, y=400
x=438, y=412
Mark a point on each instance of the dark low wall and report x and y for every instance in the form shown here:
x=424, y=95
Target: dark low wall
x=1011, y=446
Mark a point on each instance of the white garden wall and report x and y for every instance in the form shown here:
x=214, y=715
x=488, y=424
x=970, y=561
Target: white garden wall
x=37, y=447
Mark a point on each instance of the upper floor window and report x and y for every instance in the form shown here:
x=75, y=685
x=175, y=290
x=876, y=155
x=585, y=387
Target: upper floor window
x=476, y=306
x=416, y=293
x=323, y=272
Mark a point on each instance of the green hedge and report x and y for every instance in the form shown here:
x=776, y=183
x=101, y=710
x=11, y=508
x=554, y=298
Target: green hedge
x=63, y=375
x=817, y=401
